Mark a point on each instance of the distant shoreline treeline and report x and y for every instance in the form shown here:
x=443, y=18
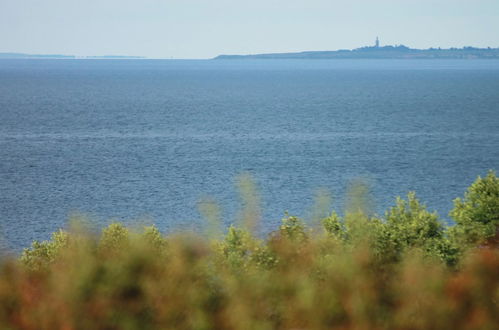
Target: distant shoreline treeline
x=386, y=52
x=406, y=270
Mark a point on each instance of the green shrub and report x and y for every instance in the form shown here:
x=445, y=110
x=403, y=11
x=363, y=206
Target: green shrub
x=404, y=271
x=41, y=254
x=114, y=238
x=334, y=226
x=477, y=214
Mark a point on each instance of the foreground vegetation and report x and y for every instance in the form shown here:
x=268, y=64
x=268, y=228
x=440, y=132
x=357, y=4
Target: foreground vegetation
x=404, y=270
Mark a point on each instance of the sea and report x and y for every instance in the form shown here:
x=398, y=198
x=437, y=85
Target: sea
x=149, y=141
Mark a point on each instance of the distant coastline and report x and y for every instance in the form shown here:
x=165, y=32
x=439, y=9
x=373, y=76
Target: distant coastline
x=378, y=52
x=58, y=56
x=367, y=52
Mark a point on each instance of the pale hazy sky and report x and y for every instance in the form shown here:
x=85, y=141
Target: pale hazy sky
x=206, y=28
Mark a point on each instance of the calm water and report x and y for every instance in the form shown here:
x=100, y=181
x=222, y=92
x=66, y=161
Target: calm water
x=135, y=140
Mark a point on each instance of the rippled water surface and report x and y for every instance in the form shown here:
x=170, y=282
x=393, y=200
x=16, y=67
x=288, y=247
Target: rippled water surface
x=144, y=141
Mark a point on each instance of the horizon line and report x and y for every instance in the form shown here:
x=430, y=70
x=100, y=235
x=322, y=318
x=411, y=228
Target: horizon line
x=19, y=55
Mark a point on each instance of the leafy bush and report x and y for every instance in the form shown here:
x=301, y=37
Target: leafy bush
x=43, y=253
x=477, y=214
x=406, y=270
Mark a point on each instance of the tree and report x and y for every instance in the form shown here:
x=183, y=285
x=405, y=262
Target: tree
x=477, y=214
x=411, y=224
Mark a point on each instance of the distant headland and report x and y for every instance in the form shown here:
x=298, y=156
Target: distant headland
x=380, y=52
x=58, y=56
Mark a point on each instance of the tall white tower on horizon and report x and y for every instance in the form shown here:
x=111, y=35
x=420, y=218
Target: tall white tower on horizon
x=377, y=43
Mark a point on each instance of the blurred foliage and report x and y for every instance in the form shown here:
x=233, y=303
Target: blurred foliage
x=406, y=270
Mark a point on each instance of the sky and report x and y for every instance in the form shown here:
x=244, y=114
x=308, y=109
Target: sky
x=206, y=28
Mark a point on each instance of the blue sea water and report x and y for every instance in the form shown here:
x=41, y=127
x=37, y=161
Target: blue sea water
x=146, y=140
